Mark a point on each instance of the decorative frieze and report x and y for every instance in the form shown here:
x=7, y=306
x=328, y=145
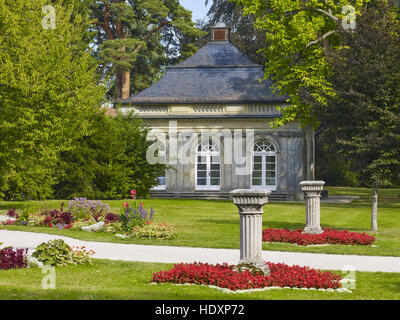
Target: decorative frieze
x=208, y=109
x=151, y=109
x=263, y=109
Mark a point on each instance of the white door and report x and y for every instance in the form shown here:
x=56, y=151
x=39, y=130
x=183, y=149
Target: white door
x=263, y=173
x=208, y=166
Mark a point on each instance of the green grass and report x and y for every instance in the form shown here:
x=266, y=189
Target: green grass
x=130, y=281
x=215, y=224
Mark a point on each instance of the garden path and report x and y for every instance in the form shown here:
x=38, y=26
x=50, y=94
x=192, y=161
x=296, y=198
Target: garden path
x=169, y=254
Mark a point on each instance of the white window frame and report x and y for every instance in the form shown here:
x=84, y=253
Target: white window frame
x=208, y=155
x=264, y=155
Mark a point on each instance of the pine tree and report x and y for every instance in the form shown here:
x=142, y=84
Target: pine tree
x=139, y=31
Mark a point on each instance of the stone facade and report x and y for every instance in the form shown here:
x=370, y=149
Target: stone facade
x=218, y=90
x=294, y=156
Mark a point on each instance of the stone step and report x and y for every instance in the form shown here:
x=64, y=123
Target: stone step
x=211, y=195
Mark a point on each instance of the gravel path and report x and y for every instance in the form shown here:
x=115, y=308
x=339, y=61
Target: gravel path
x=168, y=254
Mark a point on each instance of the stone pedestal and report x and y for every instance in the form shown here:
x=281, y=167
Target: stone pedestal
x=250, y=204
x=312, y=195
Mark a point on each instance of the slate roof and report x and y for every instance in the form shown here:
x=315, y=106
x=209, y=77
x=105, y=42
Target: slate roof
x=218, y=73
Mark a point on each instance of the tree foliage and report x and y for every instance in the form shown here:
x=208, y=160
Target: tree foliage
x=294, y=55
x=108, y=163
x=48, y=89
x=363, y=123
x=138, y=37
x=244, y=35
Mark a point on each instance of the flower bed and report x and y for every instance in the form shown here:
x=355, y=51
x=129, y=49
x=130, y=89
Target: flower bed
x=151, y=231
x=94, y=216
x=329, y=236
x=13, y=258
x=224, y=276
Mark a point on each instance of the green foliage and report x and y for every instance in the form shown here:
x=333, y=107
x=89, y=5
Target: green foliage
x=109, y=162
x=244, y=34
x=58, y=253
x=295, y=57
x=363, y=124
x=54, y=252
x=154, y=231
x=141, y=37
x=48, y=90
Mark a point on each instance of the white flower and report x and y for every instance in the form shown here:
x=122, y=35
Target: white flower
x=94, y=227
x=6, y=218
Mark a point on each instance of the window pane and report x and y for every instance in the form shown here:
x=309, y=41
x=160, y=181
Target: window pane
x=270, y=159
x=201, y=182
x=215, y=174
x=201, y=167
x=215, y=167
x=270, y=174
x=201, y=159
x=215, y=159
x=270, y=182
x=257, y=166
x=202, y=174
x=270, y=167
x=256, y=182
x=161, y=181
x=257, y=174
x=215, y=182
x=257, y=159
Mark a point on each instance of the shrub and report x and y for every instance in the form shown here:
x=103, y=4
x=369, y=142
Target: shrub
x=154, y=231
x=13, y=258
x=327, y=237
x=56, y=218
x=225, y=276
x=58, y=253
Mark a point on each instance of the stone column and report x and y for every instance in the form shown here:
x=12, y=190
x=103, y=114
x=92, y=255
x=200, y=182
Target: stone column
x=312, y=194
x=250, y=204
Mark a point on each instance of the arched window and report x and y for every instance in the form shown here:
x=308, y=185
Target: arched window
x=264, y=173
x=208, y=165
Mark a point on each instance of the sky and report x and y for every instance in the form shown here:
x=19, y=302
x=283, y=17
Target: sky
x=198, y=8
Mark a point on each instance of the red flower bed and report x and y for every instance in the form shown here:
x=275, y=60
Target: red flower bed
x=327, y=237
x=225, y=277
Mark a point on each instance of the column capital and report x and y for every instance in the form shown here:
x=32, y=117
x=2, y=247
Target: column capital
x=250, y=201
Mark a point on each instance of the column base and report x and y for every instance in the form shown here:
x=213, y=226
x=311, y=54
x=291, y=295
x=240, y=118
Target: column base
x=253, y=267
x=313, y=230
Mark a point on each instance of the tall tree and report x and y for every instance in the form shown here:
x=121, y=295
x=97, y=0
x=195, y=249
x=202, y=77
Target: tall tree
x=48, y=89
x=294, y=55
x=129, y=28
x=363, y=123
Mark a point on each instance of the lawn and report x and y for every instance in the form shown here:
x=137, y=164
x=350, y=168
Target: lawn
x=130, y=281
x=215, y=224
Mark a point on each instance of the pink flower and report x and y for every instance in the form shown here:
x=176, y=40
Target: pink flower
x=126, y=205
x=133, y=193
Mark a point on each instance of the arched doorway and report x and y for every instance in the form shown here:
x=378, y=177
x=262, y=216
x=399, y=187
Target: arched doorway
x=264, y=166
x=208, y=165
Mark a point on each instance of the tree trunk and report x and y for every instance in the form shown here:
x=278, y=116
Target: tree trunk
x=125, y=84
x=374, y=213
